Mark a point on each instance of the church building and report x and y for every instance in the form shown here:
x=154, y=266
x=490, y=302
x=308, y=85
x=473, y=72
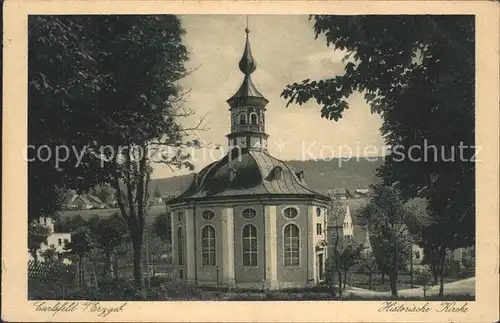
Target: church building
x=249, y=220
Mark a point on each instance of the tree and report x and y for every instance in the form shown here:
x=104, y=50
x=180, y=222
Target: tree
x=109, y=234
x=162, y=227
x=348, y=257
x=37, y=234
x=417, y=72
x=368, y=265
x=157, y=192
x=424, y=278
x=110, y=83
x=387, y=218
x=74, y=222
x=335, y=219
x=50, y=254
x=104, y=193
x=82, y=243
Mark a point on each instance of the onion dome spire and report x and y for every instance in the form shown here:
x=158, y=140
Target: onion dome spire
x=247, y=93
x=247, y=63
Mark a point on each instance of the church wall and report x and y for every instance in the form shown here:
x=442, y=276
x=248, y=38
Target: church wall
x=249, y=274
x=210, y=274
x=292, y=276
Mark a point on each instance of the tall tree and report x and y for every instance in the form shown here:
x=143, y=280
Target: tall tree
x=336, y=213
x=387, y=217
x=110, y=234
x=109, y=83
x=367, y=265
x=82, y=243
x=162, y=227
x=417, y=72
x=157, y=192
x=349, y=256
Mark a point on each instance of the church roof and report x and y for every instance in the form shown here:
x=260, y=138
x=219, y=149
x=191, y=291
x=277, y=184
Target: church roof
x=246, y=90
x=243, y=173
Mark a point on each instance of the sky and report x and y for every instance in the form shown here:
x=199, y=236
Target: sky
x=286, y=51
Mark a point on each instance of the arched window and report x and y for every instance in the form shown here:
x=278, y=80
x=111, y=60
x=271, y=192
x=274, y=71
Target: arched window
x=318, y=211
x=290, y=213
x=249, y=246
x=249, y=214
x=208, y=246
x=291, y=246
x=253, y=118
x=180, y=246
x=180, y=217
x=243, y=118
x=207, y=215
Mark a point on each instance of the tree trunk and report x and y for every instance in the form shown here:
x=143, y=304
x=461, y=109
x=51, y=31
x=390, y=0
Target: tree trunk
x=369, y=279
x=434, y=264
x=340, y=282
x=80, y=269
x=137, y=246
x=34, y=254
x=382, y=278
x=393, y=277
x=108, y=266
x=442, y=256
x=115, y=261
x=434, y=272
x=345, y=277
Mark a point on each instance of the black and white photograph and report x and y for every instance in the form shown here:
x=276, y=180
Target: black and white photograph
x=252, y=157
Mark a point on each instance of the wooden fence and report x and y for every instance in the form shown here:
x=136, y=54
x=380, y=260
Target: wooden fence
x=47, y=272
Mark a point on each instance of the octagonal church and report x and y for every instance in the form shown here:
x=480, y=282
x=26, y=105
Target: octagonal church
x=249, y=220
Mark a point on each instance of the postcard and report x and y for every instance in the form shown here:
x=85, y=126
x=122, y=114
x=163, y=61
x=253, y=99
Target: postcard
x=250, y=161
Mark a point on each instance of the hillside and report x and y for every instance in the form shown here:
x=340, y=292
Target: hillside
x=321, y=175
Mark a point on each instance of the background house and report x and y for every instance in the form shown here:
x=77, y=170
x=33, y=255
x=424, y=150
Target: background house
x=85, y=202
x=56, y=240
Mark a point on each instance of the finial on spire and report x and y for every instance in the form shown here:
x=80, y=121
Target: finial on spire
x=247, y=63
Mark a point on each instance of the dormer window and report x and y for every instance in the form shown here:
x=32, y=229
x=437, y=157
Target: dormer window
x=276, y=173
x=300, y=175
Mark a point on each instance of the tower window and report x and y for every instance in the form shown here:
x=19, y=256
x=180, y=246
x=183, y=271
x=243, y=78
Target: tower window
x=318, y=211
x=253, y=118
x=318, y=229
x=208, y=246
x=249, y=245
x=243, y=118
x=291, y=245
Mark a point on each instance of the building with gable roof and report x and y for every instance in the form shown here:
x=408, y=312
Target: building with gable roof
x=249, y=220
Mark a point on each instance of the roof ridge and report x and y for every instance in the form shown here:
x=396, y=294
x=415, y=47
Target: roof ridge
x=251, y=153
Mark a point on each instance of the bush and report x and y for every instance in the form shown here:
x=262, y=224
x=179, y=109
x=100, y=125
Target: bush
x=176, y=291
x=119, y=289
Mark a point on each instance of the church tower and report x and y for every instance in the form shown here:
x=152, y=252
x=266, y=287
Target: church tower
x=247, y=107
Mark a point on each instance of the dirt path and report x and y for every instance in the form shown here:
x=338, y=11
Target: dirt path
x=464, y=286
